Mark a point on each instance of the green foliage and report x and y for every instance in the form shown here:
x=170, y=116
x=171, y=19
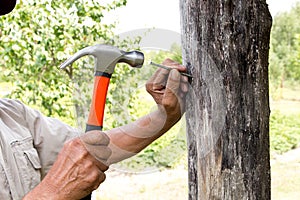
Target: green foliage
x=296, y=61
x=284, y=131
x=284, y=48
x=284, y=70
x=38, y=36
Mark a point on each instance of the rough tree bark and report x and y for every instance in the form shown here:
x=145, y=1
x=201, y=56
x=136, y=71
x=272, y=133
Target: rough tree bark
x=226, y=45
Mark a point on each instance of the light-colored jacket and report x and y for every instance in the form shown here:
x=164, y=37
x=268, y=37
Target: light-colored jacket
x=29, y=144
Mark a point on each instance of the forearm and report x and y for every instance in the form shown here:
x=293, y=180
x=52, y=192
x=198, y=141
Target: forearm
x=130, y=139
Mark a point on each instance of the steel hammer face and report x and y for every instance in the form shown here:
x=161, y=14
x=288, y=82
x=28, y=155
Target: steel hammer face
x=106, y=58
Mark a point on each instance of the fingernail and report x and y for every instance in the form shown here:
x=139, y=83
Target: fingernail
x=184, y=79
x=174, y=74
x=184, y=88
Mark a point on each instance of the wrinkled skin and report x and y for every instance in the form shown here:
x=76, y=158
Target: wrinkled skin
x=169, y=88
x=76, y=172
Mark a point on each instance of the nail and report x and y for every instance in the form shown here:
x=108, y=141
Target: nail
x=168, y=68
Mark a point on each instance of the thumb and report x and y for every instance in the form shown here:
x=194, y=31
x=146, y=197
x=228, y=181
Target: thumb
x=95, y=138
x=173, y=83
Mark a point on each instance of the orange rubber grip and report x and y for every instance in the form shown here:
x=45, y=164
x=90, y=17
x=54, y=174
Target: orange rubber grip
x=96, y=114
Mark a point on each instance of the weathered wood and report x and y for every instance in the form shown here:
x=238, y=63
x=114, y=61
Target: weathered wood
x=226, y=45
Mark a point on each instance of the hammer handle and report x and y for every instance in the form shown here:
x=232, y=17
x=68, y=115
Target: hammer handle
x=96, y=114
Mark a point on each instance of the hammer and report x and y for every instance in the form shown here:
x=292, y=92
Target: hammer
x=106, y=58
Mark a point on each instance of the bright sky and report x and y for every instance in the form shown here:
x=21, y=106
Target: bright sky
x=147, y=14
x=165, y=13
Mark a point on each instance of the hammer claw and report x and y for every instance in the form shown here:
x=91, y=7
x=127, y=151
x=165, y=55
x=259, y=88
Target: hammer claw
x=76, y=56
x=106, y=57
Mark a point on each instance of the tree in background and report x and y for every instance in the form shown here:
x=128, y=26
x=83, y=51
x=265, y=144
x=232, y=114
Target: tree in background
x=38, y=36
x=285, y=48
x=226, y=45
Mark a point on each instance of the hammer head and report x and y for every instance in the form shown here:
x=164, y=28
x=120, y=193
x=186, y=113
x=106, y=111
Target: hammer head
x=106, y=57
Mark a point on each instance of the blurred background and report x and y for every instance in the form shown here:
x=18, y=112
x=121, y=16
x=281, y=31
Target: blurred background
x=34, y=42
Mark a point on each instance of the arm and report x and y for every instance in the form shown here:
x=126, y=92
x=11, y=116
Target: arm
x=168, y=88
x=80, y=166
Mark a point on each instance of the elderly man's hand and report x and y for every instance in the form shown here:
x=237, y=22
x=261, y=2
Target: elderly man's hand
x=78, y=170
x=169, y=88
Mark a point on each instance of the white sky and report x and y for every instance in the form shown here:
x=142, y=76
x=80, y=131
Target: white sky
x=165, y=13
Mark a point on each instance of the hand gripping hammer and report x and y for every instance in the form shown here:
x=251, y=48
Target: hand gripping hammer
x=106, y=58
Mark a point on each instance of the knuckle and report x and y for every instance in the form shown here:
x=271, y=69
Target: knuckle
x=168, y=104
x=88, y=165
x=76, y=142
x=72, y=144
x=94, y=175
x=107, y=152
x=96, y=185
x=102, y=177
x=105, y=138
x=83, y=155
x=149, y=86
x=95, y=137
x=96, y=178
x=167, y=61
x=104, y=167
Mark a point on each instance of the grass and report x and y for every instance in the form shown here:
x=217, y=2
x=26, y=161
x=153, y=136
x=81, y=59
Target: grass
x=285, y=168
x=284, y=131
x=285, y=173
x=285, y=121
x=288, y=103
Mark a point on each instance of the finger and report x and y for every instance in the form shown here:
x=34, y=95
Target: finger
x=184, y=85
x=158, y=80
x=95, y=138
x=102, y=178
x=160, y=75
x=101, y=165
x=99, y=152
x=184, y=79
x=173, y=84
x=174, y=65
x=98, y=176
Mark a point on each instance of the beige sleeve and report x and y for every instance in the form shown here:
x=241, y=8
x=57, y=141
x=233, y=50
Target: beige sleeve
x=48, y=134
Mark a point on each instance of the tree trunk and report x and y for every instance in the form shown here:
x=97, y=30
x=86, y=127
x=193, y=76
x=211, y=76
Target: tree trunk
x=225, y=46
